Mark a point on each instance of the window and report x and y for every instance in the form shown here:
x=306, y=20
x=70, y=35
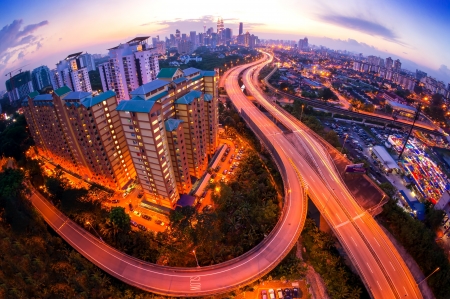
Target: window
x=131, y=127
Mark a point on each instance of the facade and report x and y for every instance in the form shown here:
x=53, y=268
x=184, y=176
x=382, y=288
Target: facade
x=88, y=61
x=19, y=86
x=73, y=73
x=42, y=78
x=241, y=28
x=82, y=134
x=130, y=65
x=185, y=46
x=303, y=44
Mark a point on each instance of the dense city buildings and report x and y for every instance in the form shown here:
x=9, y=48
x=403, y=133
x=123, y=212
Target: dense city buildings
x=130, y=65
x=19, y=86
x=72, y=72
x=42, y=78
x=163, y=136
x=303, y=44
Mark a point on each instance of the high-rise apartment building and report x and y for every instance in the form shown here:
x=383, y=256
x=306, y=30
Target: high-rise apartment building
x=72, y=72
x=163, y=136
x=397, y=65
x=389, y=63
x=42, y=78
x=185, y=47
x=193, y=39
x=130, y=65
x=303, y=44
x=88, y=61
x=19, y=86
x=82, y=134
x=241, y=28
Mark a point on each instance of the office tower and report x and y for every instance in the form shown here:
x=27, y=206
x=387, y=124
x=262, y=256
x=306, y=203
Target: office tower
x=42, y=78
x=173, y=42
x=210, y=31
x=397, y=65
x=130, y=65
x=177, y=35
x=19, y=86
x=82, y=134
x=88, y=61
x=303, y=44
x=201, y=39
x=193, y=39
x=160, y=48
x=155, y=40
x=228, y=34
x=241, y=28
x=247, y=39
x=185, y=47
x=184, y=36
x=72, y=72
x=389, y=63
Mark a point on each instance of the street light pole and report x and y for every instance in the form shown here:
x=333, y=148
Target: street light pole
x=198, y=266
x=88, y=223
x=342, y=149
x=437, y=269
x=301, y=114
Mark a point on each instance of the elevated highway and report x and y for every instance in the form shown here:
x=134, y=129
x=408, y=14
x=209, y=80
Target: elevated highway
x=379, y=264
x=209, y=280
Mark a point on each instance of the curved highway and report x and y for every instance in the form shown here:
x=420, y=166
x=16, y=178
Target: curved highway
x=381, y=267
x=194, y=281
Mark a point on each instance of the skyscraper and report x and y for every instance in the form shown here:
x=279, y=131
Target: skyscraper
x=88, y=61
x=42, y=78
x=303, y=44
x=397, y=65
x=389, y=63
x=130, y=65
x=220, y=29
x=241, y=28
x=72, y=72
x=193, y=39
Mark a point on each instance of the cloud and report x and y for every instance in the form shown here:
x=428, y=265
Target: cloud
x=361, y=25
x=14, y=41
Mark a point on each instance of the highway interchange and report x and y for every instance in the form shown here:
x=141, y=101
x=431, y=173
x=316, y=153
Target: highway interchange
x=376, y=259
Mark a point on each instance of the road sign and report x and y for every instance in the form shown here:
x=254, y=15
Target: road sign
x=355, y=168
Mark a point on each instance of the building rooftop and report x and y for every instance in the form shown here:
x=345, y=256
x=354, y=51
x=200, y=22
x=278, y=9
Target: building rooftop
x=138, y=39
x=77, y=95
x=179, y=80
x=91, y=101
x=167, y=72
x=190, y=71
x=74, y=55
x=148, y=87
x=207, y=97
x=135, y=106
x=31, y=95
x=172, y=124
x=62, y=91
x=208, y=73
x=189, y=97
x=43, y=97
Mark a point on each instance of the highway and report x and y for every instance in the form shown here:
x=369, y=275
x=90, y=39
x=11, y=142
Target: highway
x=209, y=280
x=379, y=264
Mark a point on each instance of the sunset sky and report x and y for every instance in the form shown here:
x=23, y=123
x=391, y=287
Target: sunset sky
x=35, y=33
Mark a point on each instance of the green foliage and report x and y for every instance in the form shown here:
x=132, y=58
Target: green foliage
x=119, y=217
x=388, y=188
x=94, y=78
x=290, y=267
x=322, y=254
x=419, y=241
x=14, y=140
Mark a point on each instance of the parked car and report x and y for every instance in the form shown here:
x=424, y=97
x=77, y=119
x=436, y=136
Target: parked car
x=131, y=207
x=295, y=291
x=207, y=208
x=157, y=221
x=264, y=294
x=137, y=213
x=115, y=201
x=146, y=217
x=133, y=223
x=140, y=195
x=225, y=171
x=272, y=294
x=280, y=293
x=141, y=227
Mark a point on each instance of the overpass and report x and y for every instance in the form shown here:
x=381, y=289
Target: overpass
x=405, y=124
x=208, y=280
x=377, y=261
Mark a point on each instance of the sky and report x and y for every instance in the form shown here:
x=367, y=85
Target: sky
x=43, y=32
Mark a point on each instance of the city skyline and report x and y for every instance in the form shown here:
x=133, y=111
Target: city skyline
x=387, y=29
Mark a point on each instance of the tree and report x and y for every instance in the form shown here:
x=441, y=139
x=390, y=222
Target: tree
x=388, y=188
x=328, y=94
x=119, y=217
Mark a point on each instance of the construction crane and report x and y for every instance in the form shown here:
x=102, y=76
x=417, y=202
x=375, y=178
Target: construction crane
x=19, y=69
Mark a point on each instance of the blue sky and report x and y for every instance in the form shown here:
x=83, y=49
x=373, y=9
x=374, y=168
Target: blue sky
x=33, y=32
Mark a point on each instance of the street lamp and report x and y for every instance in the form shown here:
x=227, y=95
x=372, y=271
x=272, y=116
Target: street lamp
x=193, y=251
x=301, y=114
x=342, y=149
x=88, y=223
x=437, y=269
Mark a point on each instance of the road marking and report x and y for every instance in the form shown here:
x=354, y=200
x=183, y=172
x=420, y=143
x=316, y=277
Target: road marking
x=356, y=244
x=312, y=179
x=195, y=284
x=377, y=242
x=342, y=224
x=392, y=266
x=369, y=268
x=379, y=285
x=359, y=216
x=338, y=217
x=405, y=291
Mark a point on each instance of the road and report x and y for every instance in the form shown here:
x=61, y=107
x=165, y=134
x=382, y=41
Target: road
x=381, y=267
x=184, y=282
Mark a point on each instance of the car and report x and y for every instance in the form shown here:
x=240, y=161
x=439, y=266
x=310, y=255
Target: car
x=211, y=181
x=207, y=208
x=225, y=171
x=222, y=179
x=295, y=291
x=280, y=293
x=157, y=221
x=200, y=200
x=146, y=217
x=131, y=207
x=272, y=294
x=217, y=168
x=223, y=158
x=230, y=161
x=287, y=292
x=140, y=195
x=137, y=213
x=115, y=201
x=141, y=227
x=213, y=175
x=264, y=294
x=133, y=223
